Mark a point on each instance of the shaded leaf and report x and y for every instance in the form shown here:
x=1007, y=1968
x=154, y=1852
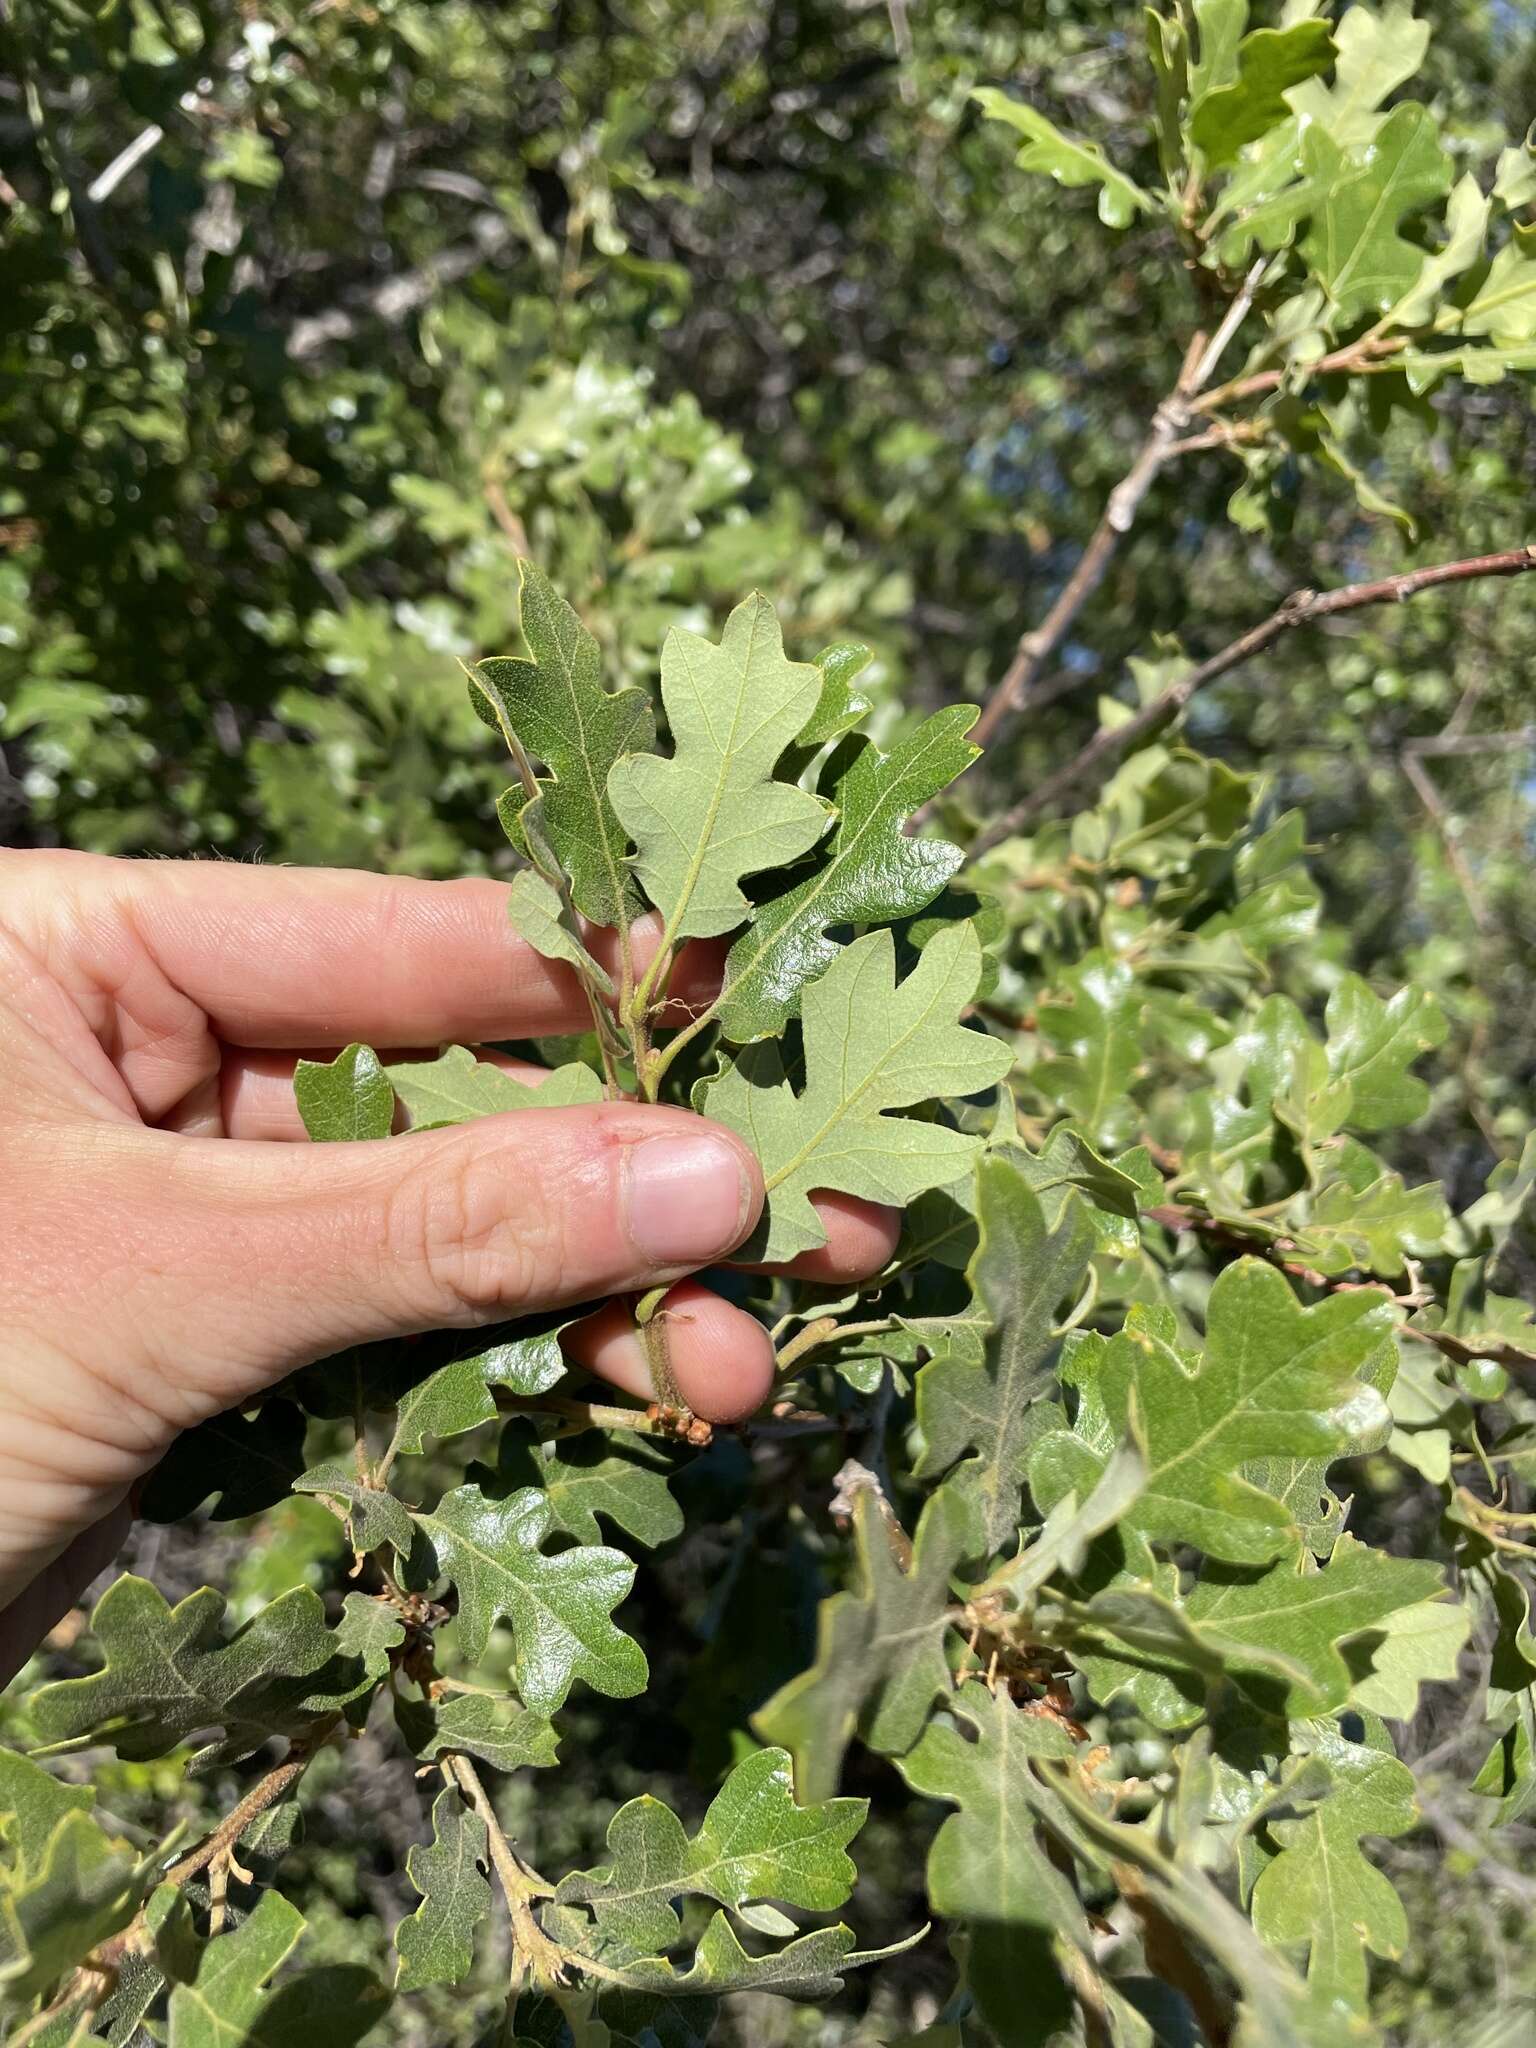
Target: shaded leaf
x=249, y=1461
x=436, y=1944
x=556, y=709
x=1269, y=63
x=988, y=1865
x=873, y=872
x=1413, y=1646
x=880, y=1659
x=1021, y=1276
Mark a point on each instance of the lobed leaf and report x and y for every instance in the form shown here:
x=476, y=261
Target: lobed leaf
x=559, y=1607
x=555, y=710
x=871, y=1045
x=753, y=1843
x=873, y=871
x=436, y=1943
x=714, y=813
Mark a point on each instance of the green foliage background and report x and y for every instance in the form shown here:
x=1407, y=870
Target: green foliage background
x=681, y=300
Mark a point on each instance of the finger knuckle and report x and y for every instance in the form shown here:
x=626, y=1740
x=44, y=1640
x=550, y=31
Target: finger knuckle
x=462, y=1231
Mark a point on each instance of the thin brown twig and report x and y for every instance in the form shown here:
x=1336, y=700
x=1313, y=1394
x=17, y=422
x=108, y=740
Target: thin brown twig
x=1302, y=608
x=1036, y=647
x=1422, y=785
x=1371, y=351
x=542, y=1959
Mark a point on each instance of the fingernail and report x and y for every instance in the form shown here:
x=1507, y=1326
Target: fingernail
x=686, y=1200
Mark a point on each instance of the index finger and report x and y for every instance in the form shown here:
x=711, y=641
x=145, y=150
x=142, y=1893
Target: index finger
x=289, y=957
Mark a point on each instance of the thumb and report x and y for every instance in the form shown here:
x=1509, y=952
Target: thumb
x=269, y=1256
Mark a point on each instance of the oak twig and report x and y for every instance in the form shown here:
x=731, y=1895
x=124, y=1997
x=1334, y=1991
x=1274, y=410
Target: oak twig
x=1422, y=784
x=536, y=1955
x=1037, y=646
x=1302, y=608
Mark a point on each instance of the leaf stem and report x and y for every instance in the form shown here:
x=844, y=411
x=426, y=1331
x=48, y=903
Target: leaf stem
x=826, y=1330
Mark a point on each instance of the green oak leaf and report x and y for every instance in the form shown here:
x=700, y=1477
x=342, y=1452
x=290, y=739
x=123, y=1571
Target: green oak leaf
x=613, y=1473
x=880, y=1659
x=436, y=1943
x=537, y=915
x=1380, y=48
x=1278, y=1633
x=988, y=1865
x=1269, y=63
x=374, y=1516
x=1354, y=247
x=560, y=1607
x=810, y=1967
x=840, y=705
x=457, y=1397
x=171, y=1674
x=1372, y=1229
x=871, y=1045
x=1320, y=1892
x=501, y=1732
x=556, y=710
x=344, y=1098
x=1066, y=158
x=1413, y=1646
x=1063, y=1542
x=368, y=1630
x=1275, y=1380
x=456, y=1087
x=1093, y=1025
x=714, y=813
x=32, y=1803
x=753, y=1843
x=1023, y=1278
x=1504, y=306
x=65, y=1884
x=872, y=871
x=249, y=1461
x=1372, y=1044
x=1219, y=28
x=1466, y=224
x=1482, y=364
x=224, y=1998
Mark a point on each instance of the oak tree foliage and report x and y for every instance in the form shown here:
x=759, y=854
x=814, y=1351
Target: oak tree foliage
x=1075, y=1472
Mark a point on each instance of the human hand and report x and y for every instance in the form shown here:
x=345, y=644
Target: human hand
x=168, y=1254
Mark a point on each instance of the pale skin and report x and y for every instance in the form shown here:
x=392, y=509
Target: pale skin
x=171, y=1244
